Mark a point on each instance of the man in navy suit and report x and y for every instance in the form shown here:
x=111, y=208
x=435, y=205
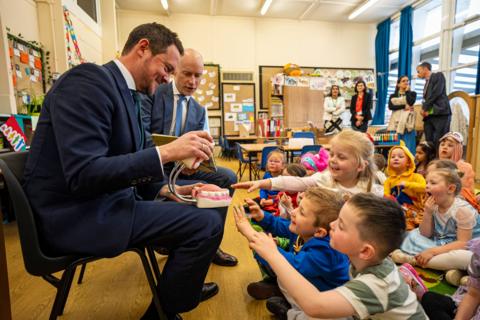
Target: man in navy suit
x=173, y=111
x=435, y=107
x=87, y=159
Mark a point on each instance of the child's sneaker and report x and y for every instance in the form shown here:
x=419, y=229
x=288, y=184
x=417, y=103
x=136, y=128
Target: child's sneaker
x=412, y=278
x=456, y=277
x=398, y=256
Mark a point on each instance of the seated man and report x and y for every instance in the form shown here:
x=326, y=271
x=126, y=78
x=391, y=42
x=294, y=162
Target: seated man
x=87, y=159
x=173, y=111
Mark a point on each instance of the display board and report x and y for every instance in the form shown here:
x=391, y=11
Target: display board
x=317, y=78
x=28, y=76
x=208, y=92
x=238, y=107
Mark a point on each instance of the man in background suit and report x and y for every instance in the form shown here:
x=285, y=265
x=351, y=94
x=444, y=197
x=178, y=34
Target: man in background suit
x=173, y=111
x=87, y=159
x=435, y=107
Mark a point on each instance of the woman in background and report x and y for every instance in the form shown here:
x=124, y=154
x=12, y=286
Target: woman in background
x=360, y=107
x=402, y=120
x=333, y=106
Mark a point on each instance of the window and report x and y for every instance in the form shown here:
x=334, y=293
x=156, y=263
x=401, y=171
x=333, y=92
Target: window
x=464, y=79
x=394, y=34
x=90, y=8
x=466, y=9
x=427, y=19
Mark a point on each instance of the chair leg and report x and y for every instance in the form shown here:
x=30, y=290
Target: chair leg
x=154, y=263
x=151, y=282
x=82, y=271
x=62, y=293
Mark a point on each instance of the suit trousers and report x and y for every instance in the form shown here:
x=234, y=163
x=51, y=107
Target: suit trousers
x=192, y=236
x=435, y=127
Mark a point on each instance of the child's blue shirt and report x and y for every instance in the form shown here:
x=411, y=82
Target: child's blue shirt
x=323, y=266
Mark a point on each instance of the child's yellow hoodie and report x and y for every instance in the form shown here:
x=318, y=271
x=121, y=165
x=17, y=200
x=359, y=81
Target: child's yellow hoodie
x=412, y=195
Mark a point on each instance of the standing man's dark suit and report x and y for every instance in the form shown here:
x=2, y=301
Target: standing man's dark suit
x=157, y=115
x=81, y=176
x=437, y=106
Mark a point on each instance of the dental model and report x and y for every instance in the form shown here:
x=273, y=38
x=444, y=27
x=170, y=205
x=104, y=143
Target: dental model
x=206, y=196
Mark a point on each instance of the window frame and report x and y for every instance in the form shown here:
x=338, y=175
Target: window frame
x=95, y=26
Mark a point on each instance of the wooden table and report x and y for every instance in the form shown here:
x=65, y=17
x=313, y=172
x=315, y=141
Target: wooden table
x=251, y=149
x=289, y=152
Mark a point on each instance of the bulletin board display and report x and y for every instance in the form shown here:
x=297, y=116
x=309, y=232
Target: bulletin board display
x=316, y=78
x=208, y=92
x=26, y=62
x=238, y=107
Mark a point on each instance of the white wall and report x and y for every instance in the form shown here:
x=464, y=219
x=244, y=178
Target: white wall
x=21, y=17
x=245, y=43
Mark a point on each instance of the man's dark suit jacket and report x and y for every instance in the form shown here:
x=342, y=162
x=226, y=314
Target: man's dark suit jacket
x=84, y=162
x=157, y=114
x=435, y=99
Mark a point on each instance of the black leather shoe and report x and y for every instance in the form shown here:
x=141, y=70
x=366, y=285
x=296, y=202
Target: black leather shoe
x=151, y=314
x=224, y=259
x=209, y=290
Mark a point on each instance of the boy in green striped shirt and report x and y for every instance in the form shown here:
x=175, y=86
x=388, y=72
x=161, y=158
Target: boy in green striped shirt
x=367, y=230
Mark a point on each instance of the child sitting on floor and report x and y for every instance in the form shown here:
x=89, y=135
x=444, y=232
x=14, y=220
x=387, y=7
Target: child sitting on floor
x=310, y=252
x=285, y=201
x=350, y=169
x=367, y=230
x=425, y=153
x=451, y=148
x=406, y=186
x=448, y=223
x=466, y=298
x=380, y=162
x=275, y=166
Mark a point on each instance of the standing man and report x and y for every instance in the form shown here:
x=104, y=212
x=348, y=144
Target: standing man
x=87, y=159
x=435, y=107
x=173, y=111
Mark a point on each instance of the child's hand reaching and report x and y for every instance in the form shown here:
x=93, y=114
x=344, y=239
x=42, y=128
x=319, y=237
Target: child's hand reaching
x=242, y=222
x=256, y=213
x=266, y=202
x=264, y=245
x=429, y=205
x=253, y=185
x=286, y=200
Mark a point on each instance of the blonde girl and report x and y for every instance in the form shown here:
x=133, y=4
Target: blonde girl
x=350, y=169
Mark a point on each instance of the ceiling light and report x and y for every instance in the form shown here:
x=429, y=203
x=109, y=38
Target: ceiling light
x=363, y=7
x=265, y=7
x=164, y=4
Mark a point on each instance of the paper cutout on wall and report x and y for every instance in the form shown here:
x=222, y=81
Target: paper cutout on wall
x=248, y=107
x=236, y=107
x=230, y=116
x=229, y=97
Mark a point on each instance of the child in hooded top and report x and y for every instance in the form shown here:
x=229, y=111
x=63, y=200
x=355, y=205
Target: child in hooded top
x=275, y=166
x=350, y=169
x=406, y=186
x=368, y=228
x=425, y=153
x=448, y=223
x=309, y=252
x=451, y=148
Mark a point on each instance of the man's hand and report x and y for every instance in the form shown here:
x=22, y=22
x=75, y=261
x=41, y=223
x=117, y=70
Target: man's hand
x=424, y=113
x=193, y=144
x=181, y=190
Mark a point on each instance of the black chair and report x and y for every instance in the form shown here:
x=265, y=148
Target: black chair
x=262, y=166
x=37, y=261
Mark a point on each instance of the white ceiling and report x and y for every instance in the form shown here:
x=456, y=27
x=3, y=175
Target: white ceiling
x=319, y=10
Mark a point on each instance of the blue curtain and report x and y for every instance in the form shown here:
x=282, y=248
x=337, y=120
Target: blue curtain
x=382, y=42
x=477, y=88
x=406, y=43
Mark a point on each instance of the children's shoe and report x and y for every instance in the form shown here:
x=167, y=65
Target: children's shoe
x=279, y=306
x=262, y=290
x=455, y=276
x=412, y=278
x=398, y=256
